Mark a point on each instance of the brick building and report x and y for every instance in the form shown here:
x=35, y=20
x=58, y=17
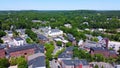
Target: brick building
x=27, y=49
x=2, y=52
x=105, y=52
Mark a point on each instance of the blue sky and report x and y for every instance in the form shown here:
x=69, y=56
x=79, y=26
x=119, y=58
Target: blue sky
x=59, y=4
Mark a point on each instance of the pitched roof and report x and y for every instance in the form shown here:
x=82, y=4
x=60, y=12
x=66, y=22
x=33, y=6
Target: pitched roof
x=18, y=38
x=42, y=37
x=99, y=49
x=75, y=62
x=65, y=54
x=36, y=60
x=20, y=48
x=2, y=47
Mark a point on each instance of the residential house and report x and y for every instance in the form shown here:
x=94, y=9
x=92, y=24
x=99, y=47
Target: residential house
x=80, y=43
x=9, y=33
x=42, y=39
x=67, y=54
x=35, y=21
x=36, y=61
x=75, y=63
x=68, y=25
x=71, y=39
x=18, y=41
x=2, y=51
x=8, y=41
x=115, y=45
x=25, y=50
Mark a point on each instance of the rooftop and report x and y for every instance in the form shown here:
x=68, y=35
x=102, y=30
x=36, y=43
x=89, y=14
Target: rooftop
x=20, y=48
x=36, y=60
x=18, y=38
x=75, y=62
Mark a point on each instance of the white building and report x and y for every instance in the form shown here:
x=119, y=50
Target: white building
x=68, y=25
x=114, y=44
x=55, y=32
x=80, y=42
x=51, y=32
x=9, y=33
x=18, y=41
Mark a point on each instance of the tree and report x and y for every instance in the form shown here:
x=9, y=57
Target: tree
x=99, y=57
x=4, y=63
x=59, y=43
x=1, y=41
x=28, y=40
x=15, y=34
x=95, y=39
x=22, y=63
x=13, y=61
x=31, y=34
x=68, y=44
x=96, y=66
x=47, y=63
x=2, y=33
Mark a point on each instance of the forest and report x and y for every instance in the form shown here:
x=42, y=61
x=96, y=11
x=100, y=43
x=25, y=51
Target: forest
x=79, y=19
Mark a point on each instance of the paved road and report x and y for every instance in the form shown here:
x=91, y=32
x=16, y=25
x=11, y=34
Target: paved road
x=54, y=64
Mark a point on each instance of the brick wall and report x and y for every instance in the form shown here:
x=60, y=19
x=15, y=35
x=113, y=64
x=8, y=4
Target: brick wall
x=2, y=53
x=22, y=52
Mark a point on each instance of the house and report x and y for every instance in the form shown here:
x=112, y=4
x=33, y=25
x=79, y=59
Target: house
x=2, y=51
x=25, y=50
x=9, y=33
x=22, y=33
x=88, y=44
x=35, y=21
x=115, y=45
x=68, y=25
x=36, y=61
x=42, y=39
x=71, y=39
x=117, y=66
x=100, y=38
x=40, y=49
x=74, y=63
x=18, y=41
x=105, y=52
x=67, y=54
x=80, y=42
x=8, y=40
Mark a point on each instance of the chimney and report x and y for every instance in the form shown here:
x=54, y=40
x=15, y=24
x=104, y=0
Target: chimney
x=106, y=42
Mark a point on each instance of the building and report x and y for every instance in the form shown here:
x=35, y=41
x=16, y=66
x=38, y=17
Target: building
x=18, y=41
x=71, y=39
x=115, y=45
x=35, y=21
x=9, y=33
x=42, y=39
x=51, y=32
x=25, y=50
x=105, y=52
x=2, y=52
x=8, y=40
x=36, y=61
x=74, y=63
x=68, y=25
x=67, y=54
x=55, y=32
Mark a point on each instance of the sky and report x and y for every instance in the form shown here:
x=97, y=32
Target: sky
x=59, y=4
